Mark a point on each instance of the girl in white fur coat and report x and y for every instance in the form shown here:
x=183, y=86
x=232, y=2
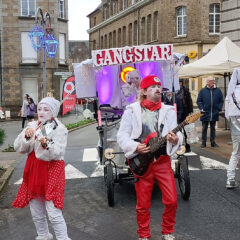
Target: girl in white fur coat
x=44, y=173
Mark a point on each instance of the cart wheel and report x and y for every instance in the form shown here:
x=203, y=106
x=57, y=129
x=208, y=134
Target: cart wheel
x=110, y=184
x=183, y=177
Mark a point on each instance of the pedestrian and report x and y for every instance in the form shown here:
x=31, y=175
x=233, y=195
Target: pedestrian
x=184, y=100
x=24, y=109
x=146, y=117
x=30, y=109
x=210, y=100
x=232, y=113
x=44, y=173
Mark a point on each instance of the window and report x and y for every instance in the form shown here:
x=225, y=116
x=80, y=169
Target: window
x=102, y=42
x=28, y=7
x=181, y=21
x=62, y=56
x=124, y=36
x=110, y=40
x=133, y=1
x=119, y=37
x=155, y=26
x=61, y=9
x=114, y=38
x=143, y=30
x=149, y=28
x=29, y=55
x=135, y=33
x=30, y=85
x=214, y=18
x=130, y=36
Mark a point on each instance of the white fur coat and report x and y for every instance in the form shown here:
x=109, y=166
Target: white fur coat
x=131, y=128
x=55, y=150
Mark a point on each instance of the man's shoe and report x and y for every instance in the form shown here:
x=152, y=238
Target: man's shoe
x=143, y=238
x=214, y=145
x=231, y=184
x=49, y=237
x=168, y=237
x=203, y=146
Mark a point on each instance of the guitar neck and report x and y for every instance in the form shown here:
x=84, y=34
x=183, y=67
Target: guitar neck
x=163, y=140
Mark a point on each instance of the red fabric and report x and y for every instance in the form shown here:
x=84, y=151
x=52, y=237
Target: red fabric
x=161, y=171
x=149, y=81
x=152, y=106
x=42, y=179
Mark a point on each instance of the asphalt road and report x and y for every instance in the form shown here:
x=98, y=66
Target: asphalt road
x=213, y=212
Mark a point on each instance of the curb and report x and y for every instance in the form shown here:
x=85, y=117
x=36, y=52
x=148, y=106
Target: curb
x=5, y=177
x=79, y=127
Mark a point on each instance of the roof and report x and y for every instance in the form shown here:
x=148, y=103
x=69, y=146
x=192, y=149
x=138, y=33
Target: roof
x=224, y=57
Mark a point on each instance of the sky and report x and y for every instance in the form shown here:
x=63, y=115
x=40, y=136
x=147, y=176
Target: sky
x=78, y=21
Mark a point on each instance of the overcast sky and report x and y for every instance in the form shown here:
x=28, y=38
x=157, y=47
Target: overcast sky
x=78, y=22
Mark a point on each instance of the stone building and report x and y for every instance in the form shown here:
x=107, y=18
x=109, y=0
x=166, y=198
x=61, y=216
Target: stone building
x=230, y=20
x=190, y=25
x=21, y=66
x=78, y=52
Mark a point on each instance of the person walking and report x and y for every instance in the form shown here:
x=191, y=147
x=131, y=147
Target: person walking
x=185, y=100
x=30, y=109
x=24, y=109
x=142, y=119
x=44, y=173
x=210, y=101
x=232, y=113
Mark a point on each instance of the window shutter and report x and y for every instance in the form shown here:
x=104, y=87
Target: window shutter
x=62, y=48
x=29, y=55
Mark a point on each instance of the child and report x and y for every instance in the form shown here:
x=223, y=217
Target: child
x=44, y=173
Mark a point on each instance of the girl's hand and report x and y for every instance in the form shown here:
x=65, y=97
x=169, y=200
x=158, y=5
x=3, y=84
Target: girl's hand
x=29, y=133
x=43, y=141
x=172, y=138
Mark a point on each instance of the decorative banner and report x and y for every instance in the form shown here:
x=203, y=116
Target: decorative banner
x=145, y=53
x=69, y=93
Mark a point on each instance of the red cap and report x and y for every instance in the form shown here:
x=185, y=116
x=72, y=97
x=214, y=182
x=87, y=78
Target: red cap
x=149, y=81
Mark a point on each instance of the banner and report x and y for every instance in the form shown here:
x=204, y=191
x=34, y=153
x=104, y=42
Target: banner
x=144, y=53
x=69, y=95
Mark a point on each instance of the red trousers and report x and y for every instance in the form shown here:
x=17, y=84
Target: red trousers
x=162, y=172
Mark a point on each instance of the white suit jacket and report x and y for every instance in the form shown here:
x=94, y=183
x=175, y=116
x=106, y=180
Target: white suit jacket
x=131, y=128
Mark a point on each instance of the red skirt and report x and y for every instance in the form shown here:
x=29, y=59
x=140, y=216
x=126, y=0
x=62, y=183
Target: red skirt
x=43, y=180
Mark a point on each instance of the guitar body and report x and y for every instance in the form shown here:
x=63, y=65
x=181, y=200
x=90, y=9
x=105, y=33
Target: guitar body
x=140, y=163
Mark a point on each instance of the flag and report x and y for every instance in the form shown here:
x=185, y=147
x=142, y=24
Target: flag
x=69, y=95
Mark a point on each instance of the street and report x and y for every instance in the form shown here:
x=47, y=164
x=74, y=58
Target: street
x=213, y=212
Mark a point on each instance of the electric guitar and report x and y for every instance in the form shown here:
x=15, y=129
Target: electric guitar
x=140, y=163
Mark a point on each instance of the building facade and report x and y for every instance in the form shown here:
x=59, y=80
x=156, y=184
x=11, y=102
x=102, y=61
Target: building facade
x=230, y=20
x=21, y=66
x=192, y=26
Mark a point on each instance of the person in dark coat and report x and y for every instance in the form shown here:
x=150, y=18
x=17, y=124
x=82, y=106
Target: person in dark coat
x=184, y=100
x=210, y=100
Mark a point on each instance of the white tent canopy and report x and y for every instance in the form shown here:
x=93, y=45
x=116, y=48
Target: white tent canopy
x=224, y=57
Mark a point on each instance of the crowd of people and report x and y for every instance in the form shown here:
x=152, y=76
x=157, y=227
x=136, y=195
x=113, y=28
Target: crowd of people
x=149, y=113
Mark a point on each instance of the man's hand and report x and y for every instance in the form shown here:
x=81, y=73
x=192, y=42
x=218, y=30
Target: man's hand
x=142, y=148
x=29, y=133
x=172, y=138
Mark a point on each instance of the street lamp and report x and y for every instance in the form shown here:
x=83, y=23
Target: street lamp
x=42, y=37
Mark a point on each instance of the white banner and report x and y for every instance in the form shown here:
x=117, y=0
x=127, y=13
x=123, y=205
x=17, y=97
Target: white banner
x=144, y=53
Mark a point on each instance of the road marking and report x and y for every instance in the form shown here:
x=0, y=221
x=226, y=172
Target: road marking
x=190, y=154
x=19, y=181
x=90, y=155
x=98, y=172
x=72, y=172
x=209, y=163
